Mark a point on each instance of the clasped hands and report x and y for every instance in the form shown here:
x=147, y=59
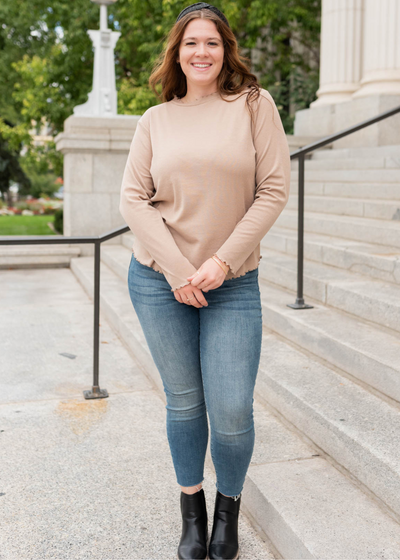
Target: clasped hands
x=210, y=276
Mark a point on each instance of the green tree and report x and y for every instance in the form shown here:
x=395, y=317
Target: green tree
x=11, y=140
x=46, y=64
x=47, y=59
x=46, y=56
x=286, y=36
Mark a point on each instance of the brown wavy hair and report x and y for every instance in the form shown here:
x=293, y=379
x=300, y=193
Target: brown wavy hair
x=234, y=77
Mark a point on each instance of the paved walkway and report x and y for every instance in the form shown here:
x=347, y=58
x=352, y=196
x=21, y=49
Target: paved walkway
x=82, y=479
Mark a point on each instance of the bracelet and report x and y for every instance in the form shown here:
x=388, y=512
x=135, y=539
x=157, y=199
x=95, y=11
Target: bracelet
x=216, y=259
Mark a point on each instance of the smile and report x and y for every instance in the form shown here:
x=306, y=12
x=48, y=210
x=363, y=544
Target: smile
x=199, y=65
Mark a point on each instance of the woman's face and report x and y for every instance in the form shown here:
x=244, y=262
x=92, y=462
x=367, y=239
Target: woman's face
x=201, y=44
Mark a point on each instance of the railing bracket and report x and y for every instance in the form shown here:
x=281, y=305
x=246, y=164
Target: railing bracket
x=299, y=304
x=96, y=393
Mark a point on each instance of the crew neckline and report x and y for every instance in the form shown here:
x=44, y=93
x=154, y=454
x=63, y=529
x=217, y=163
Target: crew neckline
x=199, y=101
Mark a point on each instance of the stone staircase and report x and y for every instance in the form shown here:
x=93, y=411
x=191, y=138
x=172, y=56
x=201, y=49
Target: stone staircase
x=37, y=256
x=325, y=481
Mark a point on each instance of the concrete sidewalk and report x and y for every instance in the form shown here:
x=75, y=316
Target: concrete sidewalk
x=82, y=479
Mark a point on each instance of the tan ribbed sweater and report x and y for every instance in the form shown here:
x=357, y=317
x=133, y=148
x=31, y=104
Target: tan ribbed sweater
x=202, y=179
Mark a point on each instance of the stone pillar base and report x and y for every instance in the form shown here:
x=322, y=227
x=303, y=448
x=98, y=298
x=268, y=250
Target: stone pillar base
x=324, y=120
x=95, y=152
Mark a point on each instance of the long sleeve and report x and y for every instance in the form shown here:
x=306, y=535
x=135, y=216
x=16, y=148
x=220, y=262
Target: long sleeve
x=142, y=217
x=272, y=185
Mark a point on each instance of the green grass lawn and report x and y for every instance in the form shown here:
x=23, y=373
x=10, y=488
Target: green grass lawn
x=26, y=225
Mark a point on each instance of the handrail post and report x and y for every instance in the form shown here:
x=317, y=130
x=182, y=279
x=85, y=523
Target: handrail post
x=299, y=304
x=96, y=392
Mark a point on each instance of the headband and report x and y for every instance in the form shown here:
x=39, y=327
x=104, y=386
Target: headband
x=200, y=6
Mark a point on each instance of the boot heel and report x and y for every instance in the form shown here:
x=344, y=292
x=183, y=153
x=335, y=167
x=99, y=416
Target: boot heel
x=224, y=543
x=193, y=542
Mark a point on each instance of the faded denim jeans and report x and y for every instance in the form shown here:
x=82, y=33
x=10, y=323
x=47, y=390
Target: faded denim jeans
x=208, y=360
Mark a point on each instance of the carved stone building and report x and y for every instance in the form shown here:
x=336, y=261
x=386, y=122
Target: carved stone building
x=359, y=72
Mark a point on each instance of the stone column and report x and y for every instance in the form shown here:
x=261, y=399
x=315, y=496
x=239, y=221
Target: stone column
x=95, y=151
x=341, y=35
x=337, y=106
x=95, y=144
x=381, y=49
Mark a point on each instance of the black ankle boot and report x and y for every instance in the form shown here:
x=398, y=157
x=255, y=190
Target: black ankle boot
x=224, y=543
x=193, y=543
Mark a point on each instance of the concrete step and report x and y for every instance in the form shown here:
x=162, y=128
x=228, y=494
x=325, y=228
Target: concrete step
x=358, y=152
x=354, y=427
x=117, y=259
x=127, y=240
x=350, y=175
x=355, y=189
x=382, y=373
x=369, y=230
x=379, y=209
x=37, y=256
x=296, y=142
x=368, y=353
x=375, y=261
x=383, y=162
x=340, y=339
x=311, y=510
x=372, y=300
x=293, y=492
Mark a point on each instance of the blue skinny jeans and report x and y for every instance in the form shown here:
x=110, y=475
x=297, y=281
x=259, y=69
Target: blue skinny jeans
x=208, y=360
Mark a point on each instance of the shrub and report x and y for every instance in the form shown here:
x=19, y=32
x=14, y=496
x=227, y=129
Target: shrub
x=43, y=185
x=22, y=206
x=59, y=221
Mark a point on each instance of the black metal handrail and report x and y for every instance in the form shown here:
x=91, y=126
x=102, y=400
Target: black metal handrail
x=300, y=154
x=96, y=392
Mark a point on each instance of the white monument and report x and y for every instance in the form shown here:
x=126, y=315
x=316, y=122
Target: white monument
x=359, y=72
x=103, y=97
x=95, y=143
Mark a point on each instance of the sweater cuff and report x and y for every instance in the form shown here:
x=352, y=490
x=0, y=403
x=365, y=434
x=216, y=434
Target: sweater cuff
x=179, y=281
x=230, y=263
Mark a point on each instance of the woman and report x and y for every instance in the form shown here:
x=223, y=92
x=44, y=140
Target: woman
x=207, y=175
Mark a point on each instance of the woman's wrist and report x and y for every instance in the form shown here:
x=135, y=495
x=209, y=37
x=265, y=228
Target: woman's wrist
x=224, y=267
